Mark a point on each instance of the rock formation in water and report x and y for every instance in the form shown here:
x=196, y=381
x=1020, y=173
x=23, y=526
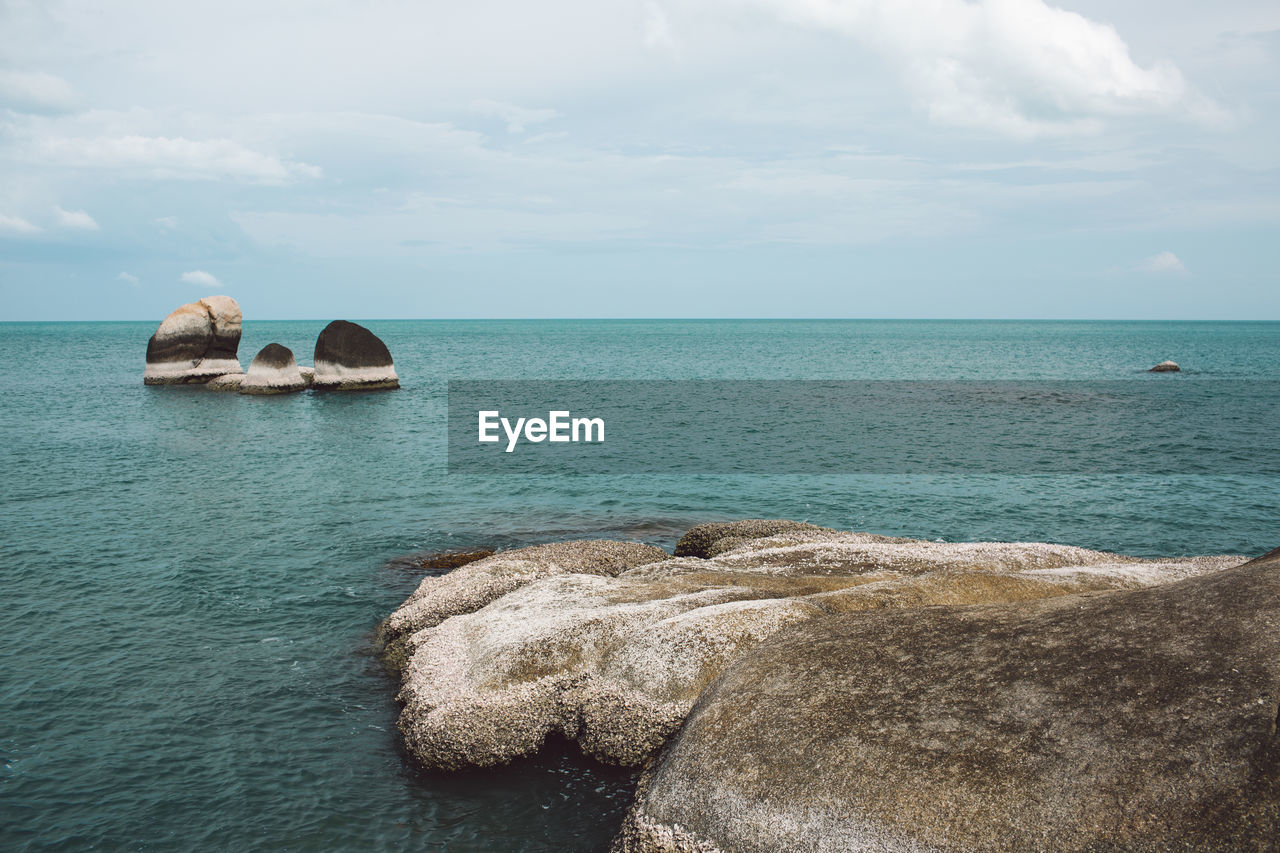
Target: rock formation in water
x=349, y=357
x=195, y=343
x=226, y=382
x=273, y=371
x=1165, y=367
x=1131, y=720
x=610, y=644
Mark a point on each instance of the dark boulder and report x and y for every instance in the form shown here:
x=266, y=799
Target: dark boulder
x=349, y=357
x=1165, y=367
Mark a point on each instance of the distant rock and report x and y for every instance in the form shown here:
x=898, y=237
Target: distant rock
x=195, y=343
x=349, y=357
x=226, y=382
x=273, y=371
x=1165, y=367
x=610, y=644
x=1132, y=720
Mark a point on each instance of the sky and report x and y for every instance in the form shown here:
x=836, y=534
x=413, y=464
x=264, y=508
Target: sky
x=641, y=158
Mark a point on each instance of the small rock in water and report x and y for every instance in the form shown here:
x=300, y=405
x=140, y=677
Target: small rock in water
x=226, y=382
x=273, y=371
x=1165, y=367
x=195, y=343
x=349, y=357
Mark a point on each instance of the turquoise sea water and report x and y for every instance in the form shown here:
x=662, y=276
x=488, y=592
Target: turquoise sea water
x=189, y=579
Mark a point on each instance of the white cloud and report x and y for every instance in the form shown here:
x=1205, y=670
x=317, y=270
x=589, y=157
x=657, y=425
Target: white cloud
x=657, y=27
x=35, y=92
x=77, y=219
x=1164, y=262
x=176, y=157
x=1018, y=67
x=128, y=278
x=517, y=118
x=17, y=225
x=167, y=222
x=201, y=278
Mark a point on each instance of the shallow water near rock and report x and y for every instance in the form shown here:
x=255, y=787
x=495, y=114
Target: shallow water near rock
x=191, y=578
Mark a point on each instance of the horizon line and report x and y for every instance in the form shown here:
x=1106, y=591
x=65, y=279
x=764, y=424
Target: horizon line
x=696, y=319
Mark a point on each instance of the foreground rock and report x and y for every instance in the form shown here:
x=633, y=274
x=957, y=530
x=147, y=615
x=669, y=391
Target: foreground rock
x=1131, y=720
x=1166, y=367
x=349, y=357
x=195, y=343
x=273, y=371
x=708, y=540
x=610, y=644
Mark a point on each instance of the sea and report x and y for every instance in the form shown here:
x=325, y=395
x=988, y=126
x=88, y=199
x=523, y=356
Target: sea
x=189, y=581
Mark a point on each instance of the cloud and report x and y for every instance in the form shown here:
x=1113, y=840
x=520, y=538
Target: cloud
x=17, y=225
x=657, y=27
x=77, y=219
x=201, y=278
x=1164, y=262
x=1022, y=68
x=517, y=118
x=177, y=157
x=35, y=92
x=166, y=222
x=128, y=278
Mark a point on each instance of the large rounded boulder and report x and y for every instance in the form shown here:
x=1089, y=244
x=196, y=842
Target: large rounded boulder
x=273, y=371
x=349, y=357
x=196, y=343
x=1141, y=719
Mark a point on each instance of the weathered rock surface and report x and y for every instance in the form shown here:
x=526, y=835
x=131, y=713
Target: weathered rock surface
x=308, y=374
x=349, y=357
x=475, y=584
x=1165, y=367
x=225, y=382
x=611, y=644
x=707, y=540
x=1130, y=720
x=196, y=343
x=439, y=562
x=273, y=371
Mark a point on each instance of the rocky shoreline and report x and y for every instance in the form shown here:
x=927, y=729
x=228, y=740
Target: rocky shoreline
x=786, y=686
